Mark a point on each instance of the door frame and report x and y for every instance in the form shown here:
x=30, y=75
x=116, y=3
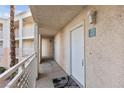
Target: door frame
x=77, y=26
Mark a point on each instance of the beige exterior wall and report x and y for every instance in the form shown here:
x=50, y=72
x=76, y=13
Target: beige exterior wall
x=104, y=54
x=28, y=30
x=47, y=47
x=28, y=43
x=28, y=47
x=62, y=43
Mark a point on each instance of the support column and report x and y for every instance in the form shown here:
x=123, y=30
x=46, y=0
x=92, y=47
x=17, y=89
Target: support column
x=40, y=48
x=20, y=38
x=36, y=46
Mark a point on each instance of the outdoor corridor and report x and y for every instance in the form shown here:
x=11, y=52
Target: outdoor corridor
x=48, y=71
x=85, y=42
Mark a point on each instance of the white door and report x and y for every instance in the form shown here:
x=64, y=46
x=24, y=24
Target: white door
x=77, y=54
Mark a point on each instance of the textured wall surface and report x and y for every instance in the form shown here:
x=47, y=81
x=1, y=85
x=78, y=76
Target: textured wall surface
x=52, y=18
x=105, y=64
x=29, y=43
x=62, y=43
x=47, y=47
x=28, y=29
x=105, y=52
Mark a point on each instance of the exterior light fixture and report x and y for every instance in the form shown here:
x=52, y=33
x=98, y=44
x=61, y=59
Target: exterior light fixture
x=92, y=16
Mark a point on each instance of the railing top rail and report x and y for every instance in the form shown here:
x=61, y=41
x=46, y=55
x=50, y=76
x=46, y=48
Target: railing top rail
x=7, y=73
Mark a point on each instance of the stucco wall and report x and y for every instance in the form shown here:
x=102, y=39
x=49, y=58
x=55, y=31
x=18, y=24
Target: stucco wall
x=28, y=29
x=104, y=53
x=28, y=47
x=62, y=44
x=28, y=43
x=47, y=47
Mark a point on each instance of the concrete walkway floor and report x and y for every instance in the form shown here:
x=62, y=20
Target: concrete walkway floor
x=49, y=70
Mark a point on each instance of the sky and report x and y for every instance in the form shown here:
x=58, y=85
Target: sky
x=5, y=9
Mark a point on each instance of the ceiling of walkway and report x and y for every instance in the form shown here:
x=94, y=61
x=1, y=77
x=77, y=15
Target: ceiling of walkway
x=52, y=18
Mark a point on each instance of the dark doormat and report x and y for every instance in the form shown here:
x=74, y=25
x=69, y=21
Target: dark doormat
x=65, y=82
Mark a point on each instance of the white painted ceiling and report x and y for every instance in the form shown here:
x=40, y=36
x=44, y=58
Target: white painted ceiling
x=52, y=18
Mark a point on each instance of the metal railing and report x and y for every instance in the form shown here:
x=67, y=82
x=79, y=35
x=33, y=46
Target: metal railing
x=26, y=73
